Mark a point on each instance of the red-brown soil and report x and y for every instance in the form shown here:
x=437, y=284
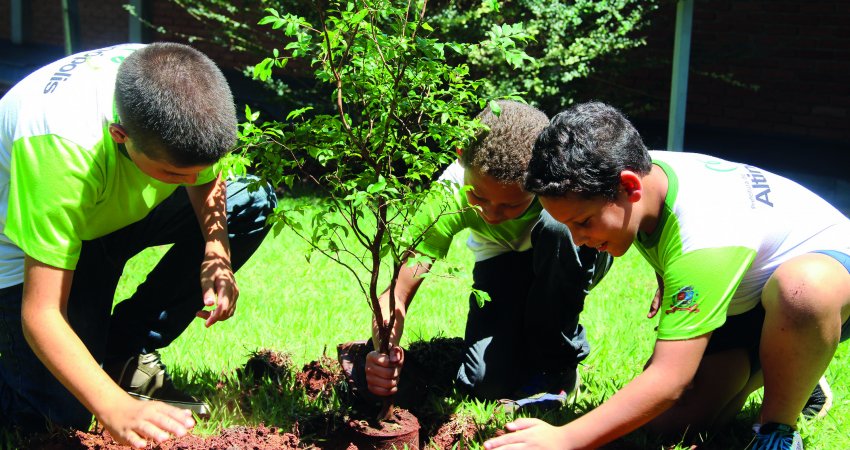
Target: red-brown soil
x=455, y=433
x=239, y=437
x=319, y=377
x=266, y=363
x=400, y=431
x=331, y=430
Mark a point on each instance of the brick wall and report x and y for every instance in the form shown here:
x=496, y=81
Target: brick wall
x=102, y=23
x=5, y=26
x=180, y=24
x=768, y=66
x=785, y=63
x=45, y=22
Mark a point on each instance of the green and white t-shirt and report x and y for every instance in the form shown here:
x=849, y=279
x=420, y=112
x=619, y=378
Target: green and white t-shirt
x=485, y=240
x=63, y=179
x=725, y=227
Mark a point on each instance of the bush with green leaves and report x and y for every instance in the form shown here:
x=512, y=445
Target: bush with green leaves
x=399, y=110
x=571, y=39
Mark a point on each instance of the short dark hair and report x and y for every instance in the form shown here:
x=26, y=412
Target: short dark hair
x=175, y=104
x=504, y=149
x=583, y=150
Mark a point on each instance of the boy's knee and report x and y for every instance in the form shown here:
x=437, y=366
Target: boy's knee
x=805, y=289
x=480, y=384
x=483, y=378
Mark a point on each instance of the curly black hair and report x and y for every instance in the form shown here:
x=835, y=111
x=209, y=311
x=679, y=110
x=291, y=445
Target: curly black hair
x=583, y=150
x=503, y=151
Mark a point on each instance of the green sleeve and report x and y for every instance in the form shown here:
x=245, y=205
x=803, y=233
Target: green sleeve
x=698, y=287
x=440, y=218
x=50, y=182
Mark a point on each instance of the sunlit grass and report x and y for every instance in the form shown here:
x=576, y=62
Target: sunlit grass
x=307, y=308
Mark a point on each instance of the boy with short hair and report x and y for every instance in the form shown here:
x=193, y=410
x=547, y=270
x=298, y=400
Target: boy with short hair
x=527, y=339
x=756, y=288
x=105, y=153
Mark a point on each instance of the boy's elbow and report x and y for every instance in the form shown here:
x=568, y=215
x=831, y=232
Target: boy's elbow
x=672, y=388
x=677, y=390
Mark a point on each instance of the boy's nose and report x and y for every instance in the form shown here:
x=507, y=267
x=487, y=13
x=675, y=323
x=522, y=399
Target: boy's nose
x=490, y=212
x=578, y=238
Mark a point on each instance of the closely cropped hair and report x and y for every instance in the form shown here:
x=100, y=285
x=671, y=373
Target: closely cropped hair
x=176, y=105
x=583, y=151
x=504, y=150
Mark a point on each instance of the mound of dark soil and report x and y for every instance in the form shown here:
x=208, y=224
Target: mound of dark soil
x=266, y=363
x=431, y=366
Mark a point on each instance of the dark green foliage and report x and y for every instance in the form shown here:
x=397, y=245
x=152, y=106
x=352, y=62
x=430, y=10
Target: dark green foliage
x=570, y=38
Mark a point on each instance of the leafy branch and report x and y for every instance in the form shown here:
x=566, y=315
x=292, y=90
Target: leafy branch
x=401, y=108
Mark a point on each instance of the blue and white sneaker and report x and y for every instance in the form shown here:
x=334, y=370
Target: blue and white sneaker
x=544, y=401
x=777, y=436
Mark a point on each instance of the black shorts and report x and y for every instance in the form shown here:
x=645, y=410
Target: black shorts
x=743, y=331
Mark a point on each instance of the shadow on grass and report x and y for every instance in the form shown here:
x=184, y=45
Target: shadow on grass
x=314, y=403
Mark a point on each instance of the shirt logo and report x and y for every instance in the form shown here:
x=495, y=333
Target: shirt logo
x=684, y=300
x=65, y=72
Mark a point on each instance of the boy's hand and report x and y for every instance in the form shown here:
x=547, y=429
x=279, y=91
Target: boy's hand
x=656, y=300
x=382, y=371
x=134, y=422
x=218, y=285
x=529, y=433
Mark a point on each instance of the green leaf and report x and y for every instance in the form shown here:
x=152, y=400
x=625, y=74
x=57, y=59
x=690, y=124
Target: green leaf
x=377, y=187
x=359, y=16
x=495, y=108
x=267, y=19
x=481, y=297
x=263, y=70
x=298, y=112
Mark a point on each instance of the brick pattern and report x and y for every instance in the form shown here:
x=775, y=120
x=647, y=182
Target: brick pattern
x=45, y=22
x=5, y=25
x=180, y=24
x=102, y=23
x=789, y=60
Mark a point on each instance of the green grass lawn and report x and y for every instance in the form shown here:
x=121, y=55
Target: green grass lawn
x=307, y=308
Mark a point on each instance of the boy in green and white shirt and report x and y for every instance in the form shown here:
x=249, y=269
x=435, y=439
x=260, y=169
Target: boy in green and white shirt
x=527, y=339
x=755, y=272
x=103, y=154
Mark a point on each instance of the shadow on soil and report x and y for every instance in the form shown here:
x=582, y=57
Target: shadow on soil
x=279, y=406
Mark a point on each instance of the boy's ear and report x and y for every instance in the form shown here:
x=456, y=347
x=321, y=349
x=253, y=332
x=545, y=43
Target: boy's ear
x=118, y=133
x=632, y=185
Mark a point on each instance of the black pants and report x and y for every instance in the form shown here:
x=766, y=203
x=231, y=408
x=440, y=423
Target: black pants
x=156, y=314
x=528, y=336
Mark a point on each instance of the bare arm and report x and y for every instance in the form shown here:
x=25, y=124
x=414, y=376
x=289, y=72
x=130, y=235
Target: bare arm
x=382, y=371
x=217, y=280
x=673, y=367
x=46, y=328
x=409, y=280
